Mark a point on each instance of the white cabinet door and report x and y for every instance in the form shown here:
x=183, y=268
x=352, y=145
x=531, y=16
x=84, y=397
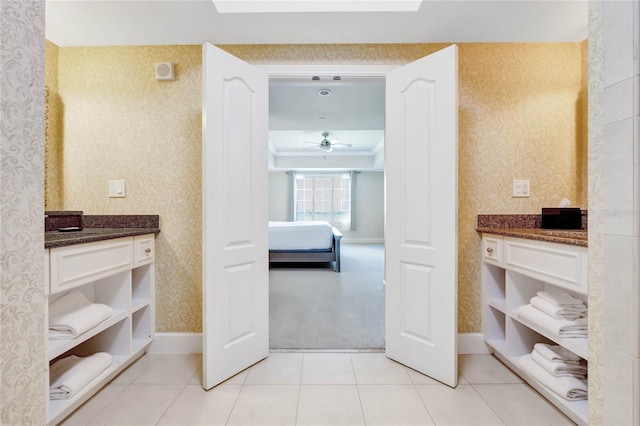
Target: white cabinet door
x=421, y=215
x=235, y=217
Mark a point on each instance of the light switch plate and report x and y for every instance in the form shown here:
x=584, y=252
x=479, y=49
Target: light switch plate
x=117, y=188
x=521, y=188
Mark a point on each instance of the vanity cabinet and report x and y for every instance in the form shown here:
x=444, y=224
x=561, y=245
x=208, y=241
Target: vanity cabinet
x=118, y=273
x=513, y=271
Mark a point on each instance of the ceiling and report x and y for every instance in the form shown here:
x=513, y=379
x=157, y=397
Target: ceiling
x=147, y=22
x=354, y=112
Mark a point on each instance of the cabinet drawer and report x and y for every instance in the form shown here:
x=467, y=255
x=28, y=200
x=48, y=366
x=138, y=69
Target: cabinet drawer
x=83, y=263
x=143, y=250
x=492, y=249
x=558, y=264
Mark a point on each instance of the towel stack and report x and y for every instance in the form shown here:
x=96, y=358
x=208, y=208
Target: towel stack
x=71, y=374
x=557, y=313
x=72, y=314
x=559, y=305
x=560, y=370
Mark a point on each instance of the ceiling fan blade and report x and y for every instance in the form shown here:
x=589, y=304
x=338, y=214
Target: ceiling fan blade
x=348, y=145
x=315, y=143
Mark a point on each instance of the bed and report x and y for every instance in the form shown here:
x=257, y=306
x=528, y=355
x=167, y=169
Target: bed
x=304, y=242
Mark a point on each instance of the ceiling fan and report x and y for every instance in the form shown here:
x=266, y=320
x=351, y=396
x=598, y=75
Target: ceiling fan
x=327, y=145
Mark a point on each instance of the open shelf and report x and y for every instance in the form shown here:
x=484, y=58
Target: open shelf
x=577, y=345
x=127, y=334
x=55, y=348
x=510, y=281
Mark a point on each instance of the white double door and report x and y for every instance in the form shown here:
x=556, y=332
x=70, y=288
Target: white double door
x=420, y=219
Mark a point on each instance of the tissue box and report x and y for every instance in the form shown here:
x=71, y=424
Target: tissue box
x=561, y=218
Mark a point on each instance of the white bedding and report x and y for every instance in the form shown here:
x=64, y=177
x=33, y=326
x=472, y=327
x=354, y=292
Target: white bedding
x=300, y=236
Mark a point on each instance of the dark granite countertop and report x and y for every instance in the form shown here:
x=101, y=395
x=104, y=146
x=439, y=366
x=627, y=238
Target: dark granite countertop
x=528, y=226
x=574, y=237
x=95, y=227
x=54, y=239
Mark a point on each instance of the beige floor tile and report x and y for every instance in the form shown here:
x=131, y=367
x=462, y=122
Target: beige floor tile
x=420, y=379
x=277, y=369
x=393, y=405
x=170, y=370
x=138, y=405
x=134, y=370
x=92, y=407
x=518, y=404
x=195, y=406
x=238, y=379
x=329, y=405
x=265, y=405
x=459, y=406
x=377, y=369
x=327, y=369
x=482, y=369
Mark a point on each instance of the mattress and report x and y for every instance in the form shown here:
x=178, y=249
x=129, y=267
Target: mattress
x=300, y=236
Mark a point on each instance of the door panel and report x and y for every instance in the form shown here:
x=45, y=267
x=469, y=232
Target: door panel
x=235, y=179
x=421, y=215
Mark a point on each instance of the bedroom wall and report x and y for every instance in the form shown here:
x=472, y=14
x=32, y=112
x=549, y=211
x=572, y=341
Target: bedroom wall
x=369, y=199
x=519, y=118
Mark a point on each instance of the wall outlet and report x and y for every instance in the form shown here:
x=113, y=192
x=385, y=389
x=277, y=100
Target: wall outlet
x=521, y=188
x=117, y=188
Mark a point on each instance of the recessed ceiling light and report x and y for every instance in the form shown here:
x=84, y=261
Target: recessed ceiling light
x=263, y=6
x=324, y=92
x=337, y=78
x=322, y=118
x=315, y=78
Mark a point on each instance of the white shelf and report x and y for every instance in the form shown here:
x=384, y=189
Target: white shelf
x=137, y=304
x=127, y=334
x=498, y=345
x=499, y=304
x=62, y=407
x=57, y=347
x=577, y=345
x=511, y=284
x=578, y=411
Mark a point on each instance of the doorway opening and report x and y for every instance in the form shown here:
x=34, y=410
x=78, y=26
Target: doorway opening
x=326, y=163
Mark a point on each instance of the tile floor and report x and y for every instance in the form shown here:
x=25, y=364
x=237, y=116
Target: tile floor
x=316, y=389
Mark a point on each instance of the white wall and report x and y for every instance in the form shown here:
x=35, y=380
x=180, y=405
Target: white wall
x=369, y=204
x=279, y=196
x=319, y=162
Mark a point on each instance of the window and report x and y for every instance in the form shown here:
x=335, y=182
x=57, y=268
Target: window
x=323, y=197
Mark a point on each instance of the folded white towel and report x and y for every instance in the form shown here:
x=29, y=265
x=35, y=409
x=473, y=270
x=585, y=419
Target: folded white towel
x=559, y=368
x=69, y=375
x=559, y=312
x=560, y=298
x=556, y=353
x=569, y=388
x=72, y=314
x=561, y=328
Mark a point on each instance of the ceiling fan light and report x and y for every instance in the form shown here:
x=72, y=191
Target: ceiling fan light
x=326, y=148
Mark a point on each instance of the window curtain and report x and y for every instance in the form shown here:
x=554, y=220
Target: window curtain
x=354, y=200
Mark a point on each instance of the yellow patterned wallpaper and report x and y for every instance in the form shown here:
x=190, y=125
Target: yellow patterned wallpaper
x=121, y=123
x=53, y=184
x=521, y=116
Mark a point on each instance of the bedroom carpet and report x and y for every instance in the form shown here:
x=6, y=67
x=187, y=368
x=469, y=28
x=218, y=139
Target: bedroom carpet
x=313, y=307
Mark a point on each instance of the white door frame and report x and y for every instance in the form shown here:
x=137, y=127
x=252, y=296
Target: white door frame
x=282, y=71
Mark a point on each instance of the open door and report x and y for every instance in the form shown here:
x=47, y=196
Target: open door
x=421, y=233
x=235, y=180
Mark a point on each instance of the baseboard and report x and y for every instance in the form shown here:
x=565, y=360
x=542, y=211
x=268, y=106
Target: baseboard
x=356, y=240
x=191, y=343
x=176, y=343
x=472, y=343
